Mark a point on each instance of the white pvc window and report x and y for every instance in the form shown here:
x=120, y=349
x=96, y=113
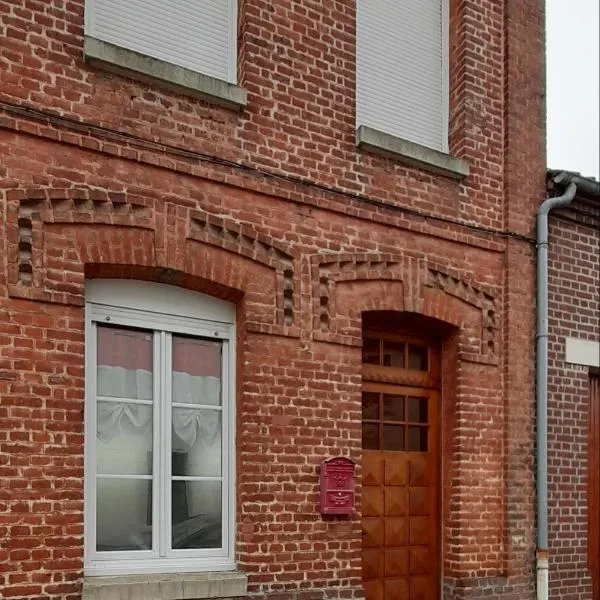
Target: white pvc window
x=402, y=69
x=199, y=35
x=158, y=431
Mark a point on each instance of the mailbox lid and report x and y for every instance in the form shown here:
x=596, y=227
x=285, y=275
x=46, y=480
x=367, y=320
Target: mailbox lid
x=337, y=463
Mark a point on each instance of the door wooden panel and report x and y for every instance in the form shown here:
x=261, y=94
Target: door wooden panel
x=400, y=493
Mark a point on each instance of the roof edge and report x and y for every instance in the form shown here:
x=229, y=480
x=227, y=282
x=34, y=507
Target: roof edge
x=587, y=187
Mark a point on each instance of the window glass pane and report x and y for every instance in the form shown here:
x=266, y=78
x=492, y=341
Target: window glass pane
x=417, y=410
x=370, y=351
x=124, y=358
x=196, y=442
x=196, y=514
x=196, y=371
x=124, y=514
x=393, y=437
x=393, y=407
x=417, y=439
x=370, y=405
x=370, y=436
x=124, y=438
x=393, y=354
x=417, y=358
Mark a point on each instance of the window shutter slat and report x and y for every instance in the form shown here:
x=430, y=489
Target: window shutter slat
x=197, y=35
x=401, y=69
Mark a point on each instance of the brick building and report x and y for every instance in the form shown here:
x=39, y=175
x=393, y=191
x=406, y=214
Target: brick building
x=255, y=236
x=574, y=391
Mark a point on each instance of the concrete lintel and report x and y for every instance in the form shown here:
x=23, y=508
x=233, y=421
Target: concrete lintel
x=145, y=68
x=582, y=352
x=169, y=586
x=410, y=153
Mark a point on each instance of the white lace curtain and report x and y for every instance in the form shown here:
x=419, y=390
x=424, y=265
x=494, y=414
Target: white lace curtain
x=189, y=424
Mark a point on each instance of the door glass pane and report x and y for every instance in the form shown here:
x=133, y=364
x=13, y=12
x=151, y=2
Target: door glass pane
x=196, y=371
x=124, y=438
x=393, y=437
x=418, y=358
x=370, y=405
x=417, y=409
x=124, y=514
x=370, y=436
x=196, y=518
x=393, y=407
x=196, y=442
x=370, y=351
x=393, y=354
x=124, y=362
x=417, y=439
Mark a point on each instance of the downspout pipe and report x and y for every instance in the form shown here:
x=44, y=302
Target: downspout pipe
x=541, y=374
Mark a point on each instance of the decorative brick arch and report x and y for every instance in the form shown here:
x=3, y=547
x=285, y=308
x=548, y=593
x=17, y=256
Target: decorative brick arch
x=347, y=285
x=58, y=236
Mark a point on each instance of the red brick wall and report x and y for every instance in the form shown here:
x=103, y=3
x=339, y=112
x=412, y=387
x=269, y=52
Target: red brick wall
x=574, y=302
x=104, y=176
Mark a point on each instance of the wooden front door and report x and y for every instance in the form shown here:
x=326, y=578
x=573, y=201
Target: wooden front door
x=400, y=493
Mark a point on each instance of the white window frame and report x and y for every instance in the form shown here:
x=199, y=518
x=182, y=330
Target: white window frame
x=165, y=310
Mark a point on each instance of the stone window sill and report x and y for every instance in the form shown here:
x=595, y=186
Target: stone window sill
x=170, y=586
x=410, y=153
x=145, y=68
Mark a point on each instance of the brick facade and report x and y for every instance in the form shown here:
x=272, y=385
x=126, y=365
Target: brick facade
x=275, y=209
x=574, y=302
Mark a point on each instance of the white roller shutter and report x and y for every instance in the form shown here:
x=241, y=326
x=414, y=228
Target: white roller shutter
x=402, y=69
x=199, y=35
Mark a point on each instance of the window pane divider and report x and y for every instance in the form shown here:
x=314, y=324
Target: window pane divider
x=226, y=458
x=196, y=478
x=203, y=406
x=164, y=499
x=121, y=476
x=156, y=436
x=119, y=400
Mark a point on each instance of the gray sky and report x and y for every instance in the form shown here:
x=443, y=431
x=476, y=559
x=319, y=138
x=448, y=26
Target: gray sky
x=573, y=69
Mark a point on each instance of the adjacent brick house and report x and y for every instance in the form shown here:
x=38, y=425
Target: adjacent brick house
x=206, y=215
x=574, y=393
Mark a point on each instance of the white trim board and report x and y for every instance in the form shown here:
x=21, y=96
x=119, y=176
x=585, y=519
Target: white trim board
x=582, y=352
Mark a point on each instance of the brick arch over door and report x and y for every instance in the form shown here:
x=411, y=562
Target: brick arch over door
x=345, y=286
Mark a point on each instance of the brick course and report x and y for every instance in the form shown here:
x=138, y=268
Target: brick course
x=276, y=210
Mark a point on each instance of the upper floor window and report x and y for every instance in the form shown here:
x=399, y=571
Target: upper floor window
x=159, y=454
x=402, y=69
x=199, y=36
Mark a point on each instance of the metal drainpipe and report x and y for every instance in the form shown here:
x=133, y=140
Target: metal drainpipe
x=541, y=375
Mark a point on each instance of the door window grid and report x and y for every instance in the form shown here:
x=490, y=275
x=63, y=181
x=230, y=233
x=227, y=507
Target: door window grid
x=390, y=353
x=395, y=422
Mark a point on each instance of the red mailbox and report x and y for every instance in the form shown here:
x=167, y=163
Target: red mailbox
x=337, y=486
